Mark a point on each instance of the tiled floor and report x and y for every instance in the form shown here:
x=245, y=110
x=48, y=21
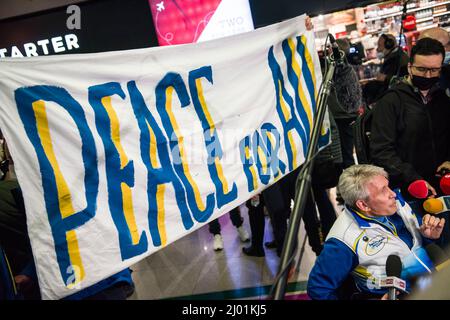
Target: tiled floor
x=190, y=268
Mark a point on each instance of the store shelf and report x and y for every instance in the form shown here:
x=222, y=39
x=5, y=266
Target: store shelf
x=424, y=19
x=428, y=27
x=383, y=17
x=441, y=14
x=428, y=6
x=399, y=13
x=418, y=21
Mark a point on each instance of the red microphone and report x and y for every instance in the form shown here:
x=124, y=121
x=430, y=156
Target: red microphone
x=445, y=184
x=418, y=189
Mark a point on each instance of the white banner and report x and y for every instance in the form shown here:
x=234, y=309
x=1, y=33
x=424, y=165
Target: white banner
x=119, y=154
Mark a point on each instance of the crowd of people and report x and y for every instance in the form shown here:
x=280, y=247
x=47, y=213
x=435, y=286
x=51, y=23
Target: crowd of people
x=409, y=142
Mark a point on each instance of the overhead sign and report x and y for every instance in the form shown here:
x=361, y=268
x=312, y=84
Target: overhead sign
x=199, y=20
x=42, y=47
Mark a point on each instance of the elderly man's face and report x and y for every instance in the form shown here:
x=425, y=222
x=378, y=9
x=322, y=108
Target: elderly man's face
x=381, y=201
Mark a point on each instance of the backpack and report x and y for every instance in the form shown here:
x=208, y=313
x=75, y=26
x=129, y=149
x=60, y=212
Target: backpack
x=362, y=131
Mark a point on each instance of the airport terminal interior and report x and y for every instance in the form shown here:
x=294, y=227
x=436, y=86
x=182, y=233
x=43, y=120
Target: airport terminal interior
x=189, y=268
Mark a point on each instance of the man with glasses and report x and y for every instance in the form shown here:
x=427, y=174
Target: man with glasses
x=410, y=135
x=443, y=37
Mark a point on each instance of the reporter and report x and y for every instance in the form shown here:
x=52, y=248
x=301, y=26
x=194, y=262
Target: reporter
x=410, y=124
x=410, y=128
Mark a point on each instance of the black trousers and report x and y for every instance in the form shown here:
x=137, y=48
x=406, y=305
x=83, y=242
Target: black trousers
x=346, y=140
x=236, y=220
x=277, y=199
x=257, y=223
x=326, y=210
x=13, y=226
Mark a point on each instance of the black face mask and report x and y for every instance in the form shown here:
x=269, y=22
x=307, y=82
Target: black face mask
x=424, y=83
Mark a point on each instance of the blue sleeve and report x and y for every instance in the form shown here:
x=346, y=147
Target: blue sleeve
x=122, y=276
x=7, y=289
x=332, y=267
x=426, y=241
x=30, y=270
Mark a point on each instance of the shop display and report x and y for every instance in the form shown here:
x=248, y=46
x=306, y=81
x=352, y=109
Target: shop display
x=363, y=26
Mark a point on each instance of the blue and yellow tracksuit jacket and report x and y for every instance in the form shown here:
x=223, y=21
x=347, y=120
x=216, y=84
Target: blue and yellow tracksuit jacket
x=360, y=245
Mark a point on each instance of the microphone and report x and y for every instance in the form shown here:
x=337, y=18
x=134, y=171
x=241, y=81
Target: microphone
x=418, y=189
x=438, y=256
x=437, y=205
x=442, y=172
x=348, y=90
x=404, y=10
x=346, y=82
x=392, y=281
x=337, y=55
x=445, y=184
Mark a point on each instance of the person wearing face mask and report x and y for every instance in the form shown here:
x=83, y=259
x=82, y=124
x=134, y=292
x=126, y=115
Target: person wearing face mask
x=410, y=129
x=443, y=37
x=395, y=61
x=394, y=67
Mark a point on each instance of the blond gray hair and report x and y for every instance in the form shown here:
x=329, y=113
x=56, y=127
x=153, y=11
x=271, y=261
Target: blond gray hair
x=352, y=185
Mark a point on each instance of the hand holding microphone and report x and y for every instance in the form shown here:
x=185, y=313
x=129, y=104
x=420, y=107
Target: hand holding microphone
x=445, y=167
x=420, y=189
x=393, y=282
x=443, y=172
x=444, y=184
x=437, y=205
x=337, y=55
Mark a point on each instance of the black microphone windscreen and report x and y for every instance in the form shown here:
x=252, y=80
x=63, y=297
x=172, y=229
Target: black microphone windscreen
x=393, y=266
x=332, y=39
x=436, y=254
x=348, y=89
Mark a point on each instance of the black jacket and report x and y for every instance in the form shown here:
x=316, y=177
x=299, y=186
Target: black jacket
x=410, y=139
x=13, y=226
x=395, y=62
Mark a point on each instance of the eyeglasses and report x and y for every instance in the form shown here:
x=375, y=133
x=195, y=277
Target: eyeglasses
x=425, y=70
